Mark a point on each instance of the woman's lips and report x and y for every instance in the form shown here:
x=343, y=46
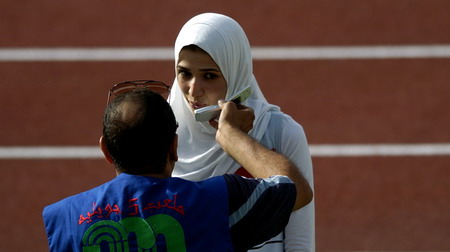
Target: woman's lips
x=197, y=105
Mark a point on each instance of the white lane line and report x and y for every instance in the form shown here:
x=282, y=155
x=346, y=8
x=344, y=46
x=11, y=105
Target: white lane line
x=259, y=53
x=50, y=152
x=352, y=52
x=85, y=54
x=317, y=150
x=358, y=150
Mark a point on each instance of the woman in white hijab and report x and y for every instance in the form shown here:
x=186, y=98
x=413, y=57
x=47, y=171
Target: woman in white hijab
x=213, y=61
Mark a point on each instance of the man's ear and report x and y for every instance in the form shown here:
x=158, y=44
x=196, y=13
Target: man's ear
x=173, y=148
x=105, y=150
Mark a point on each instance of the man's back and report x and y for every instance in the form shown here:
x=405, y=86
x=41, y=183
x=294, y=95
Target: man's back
x=137, y=211
x=218, y=214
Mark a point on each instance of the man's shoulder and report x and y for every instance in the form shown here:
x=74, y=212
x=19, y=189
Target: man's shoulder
x=259, y=208
x=62, y=204
x=235, y=179
x=242, y=189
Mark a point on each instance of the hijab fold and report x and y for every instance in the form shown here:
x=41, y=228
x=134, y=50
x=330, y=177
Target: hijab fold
x=199, y=155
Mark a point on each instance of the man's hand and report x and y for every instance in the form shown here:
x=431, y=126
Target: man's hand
x=259, y=161
x=236, y=116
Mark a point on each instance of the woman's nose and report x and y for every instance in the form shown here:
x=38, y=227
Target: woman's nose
x=195, y=87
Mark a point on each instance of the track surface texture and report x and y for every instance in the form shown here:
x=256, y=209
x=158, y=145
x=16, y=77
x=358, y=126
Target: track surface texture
x=369, y=203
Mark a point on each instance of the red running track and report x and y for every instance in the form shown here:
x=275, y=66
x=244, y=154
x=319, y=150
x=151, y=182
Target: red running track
x=362, y=203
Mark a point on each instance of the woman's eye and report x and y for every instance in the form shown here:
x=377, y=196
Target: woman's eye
x=210, y=76
x=184, y=73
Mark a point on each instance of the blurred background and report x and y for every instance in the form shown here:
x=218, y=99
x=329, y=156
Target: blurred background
x=368, y=80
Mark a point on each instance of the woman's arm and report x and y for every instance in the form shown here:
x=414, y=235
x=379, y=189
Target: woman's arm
x=292, y=142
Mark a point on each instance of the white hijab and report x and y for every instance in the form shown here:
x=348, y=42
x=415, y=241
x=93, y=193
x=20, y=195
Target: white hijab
x=199, y=155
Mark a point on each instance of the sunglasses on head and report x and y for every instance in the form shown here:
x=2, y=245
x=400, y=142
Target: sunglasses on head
x=127, y=86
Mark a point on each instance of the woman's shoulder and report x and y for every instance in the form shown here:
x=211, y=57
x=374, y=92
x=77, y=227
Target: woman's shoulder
x=283, y=132
x=283, y=122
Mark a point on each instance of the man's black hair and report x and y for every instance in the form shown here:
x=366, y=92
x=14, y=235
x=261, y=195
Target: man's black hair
x=139, y=138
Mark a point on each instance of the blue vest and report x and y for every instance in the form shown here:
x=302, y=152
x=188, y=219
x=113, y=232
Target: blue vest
x=138, y=213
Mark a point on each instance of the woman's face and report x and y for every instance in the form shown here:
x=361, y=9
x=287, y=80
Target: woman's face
x=200, y=79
